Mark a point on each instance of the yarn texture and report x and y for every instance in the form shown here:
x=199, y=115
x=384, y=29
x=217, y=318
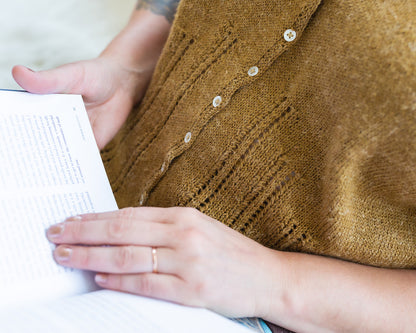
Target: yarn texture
x=293, y=122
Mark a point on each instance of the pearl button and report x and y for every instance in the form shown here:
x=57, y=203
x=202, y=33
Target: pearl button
x=253, y=71
x=289, y=35
x=141, y=200
x=188, y=137
x=217, y=101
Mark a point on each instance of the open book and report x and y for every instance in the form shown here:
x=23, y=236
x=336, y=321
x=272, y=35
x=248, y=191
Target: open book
x=50, y=169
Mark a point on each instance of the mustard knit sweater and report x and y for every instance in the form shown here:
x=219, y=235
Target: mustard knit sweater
x=293, y=122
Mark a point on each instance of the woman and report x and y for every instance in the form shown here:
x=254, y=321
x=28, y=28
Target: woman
x=289, y=126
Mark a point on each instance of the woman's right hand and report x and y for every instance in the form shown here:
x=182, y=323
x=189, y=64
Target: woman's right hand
x=112, y=83
x=109, y=90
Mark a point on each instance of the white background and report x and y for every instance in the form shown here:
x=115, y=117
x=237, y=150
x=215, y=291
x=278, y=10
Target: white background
x=46, y=33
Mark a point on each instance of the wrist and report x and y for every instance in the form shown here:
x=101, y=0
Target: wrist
x=277, y=300
x=139, y=45
x=307, y=287
x=134, y=52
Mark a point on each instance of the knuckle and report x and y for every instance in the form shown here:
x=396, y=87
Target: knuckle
x=84, y=257
x=124, y=258
x=192, y=237
x=127, y=213
x=201, y=289
x=192, y=247
x=76, y=230
x=188, y=231
x=144, y=285
x=121, y=226
x=118, y=282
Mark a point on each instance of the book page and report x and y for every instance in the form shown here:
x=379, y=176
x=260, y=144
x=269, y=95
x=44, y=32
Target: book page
x=110, y=311
x=50, y=169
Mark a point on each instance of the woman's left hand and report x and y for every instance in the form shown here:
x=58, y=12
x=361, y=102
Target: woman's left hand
x=198, y=260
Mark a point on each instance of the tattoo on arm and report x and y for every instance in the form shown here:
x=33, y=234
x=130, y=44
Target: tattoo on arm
x=166, y=8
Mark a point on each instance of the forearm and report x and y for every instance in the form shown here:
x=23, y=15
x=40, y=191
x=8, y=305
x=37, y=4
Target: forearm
x=139, y=45
x=318, y=294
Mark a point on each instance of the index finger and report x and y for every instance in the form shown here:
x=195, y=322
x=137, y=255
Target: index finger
x=156, y=214
x=122, y=227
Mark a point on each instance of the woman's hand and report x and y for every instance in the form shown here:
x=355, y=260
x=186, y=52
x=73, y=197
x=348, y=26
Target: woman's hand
x=109, y=90
x=112, y=83
x=200, y=262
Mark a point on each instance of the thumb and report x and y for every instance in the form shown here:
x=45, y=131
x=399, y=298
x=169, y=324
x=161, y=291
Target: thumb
x=63, y=79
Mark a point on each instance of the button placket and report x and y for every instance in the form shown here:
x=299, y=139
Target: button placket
x=241, y=75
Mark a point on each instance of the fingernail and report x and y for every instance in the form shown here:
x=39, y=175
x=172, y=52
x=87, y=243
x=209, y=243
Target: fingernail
x=101, y=278
x=30, y=69
x=63, y=253
x=56, y=230
x=74, y=218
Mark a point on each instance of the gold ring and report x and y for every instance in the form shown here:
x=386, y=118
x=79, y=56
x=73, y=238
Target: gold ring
x=154, y=260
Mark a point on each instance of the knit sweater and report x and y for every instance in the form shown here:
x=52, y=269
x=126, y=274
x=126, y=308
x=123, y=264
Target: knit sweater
x=293, y=122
